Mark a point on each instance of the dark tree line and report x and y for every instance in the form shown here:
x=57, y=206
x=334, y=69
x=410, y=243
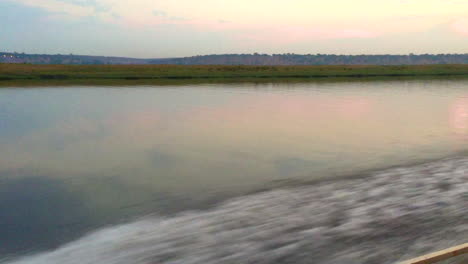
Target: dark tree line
x=65, y=59
x=317, y=59
x=244, y=59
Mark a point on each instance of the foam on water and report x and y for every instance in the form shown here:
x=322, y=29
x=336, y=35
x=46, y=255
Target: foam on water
x=391, y=215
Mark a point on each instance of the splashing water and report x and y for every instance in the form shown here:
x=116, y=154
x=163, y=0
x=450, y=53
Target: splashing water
x=391, y=215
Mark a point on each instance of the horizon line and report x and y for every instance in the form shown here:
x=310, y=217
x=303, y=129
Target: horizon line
x=227, y=54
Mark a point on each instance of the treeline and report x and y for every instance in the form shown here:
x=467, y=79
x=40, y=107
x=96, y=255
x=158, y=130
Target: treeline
x=316, y=59
x=65, y=59
x=244, y=59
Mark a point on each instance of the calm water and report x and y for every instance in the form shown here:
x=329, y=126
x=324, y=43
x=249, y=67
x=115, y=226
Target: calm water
x=74, y=159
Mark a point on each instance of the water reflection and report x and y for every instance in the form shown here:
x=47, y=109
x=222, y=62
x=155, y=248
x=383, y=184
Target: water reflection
x=116, y=153
x=242, y=137
x=37, y=213
x=459, y=117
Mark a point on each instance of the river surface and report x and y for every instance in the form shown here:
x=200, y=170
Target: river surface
x=107, y=164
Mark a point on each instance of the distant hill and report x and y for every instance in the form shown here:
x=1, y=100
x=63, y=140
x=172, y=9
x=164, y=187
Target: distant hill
x=65, y=59
x=244, y=59
x=318, y=59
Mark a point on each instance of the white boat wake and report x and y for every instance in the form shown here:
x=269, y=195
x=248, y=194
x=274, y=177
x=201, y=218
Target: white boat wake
x=391, y=215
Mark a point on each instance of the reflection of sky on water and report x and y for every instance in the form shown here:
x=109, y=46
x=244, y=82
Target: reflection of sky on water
x=459, y=116
x=197, y=134
x=130, y=151
x=37, y=212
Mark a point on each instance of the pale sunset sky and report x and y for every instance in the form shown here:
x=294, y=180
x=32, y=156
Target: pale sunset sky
x=175, y=28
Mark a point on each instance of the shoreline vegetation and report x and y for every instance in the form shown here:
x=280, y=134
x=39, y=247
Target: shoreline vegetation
x=19, y=74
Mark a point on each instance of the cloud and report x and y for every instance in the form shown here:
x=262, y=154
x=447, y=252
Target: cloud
x=61, y=7
x=351, y=20
x=246, y=26
x=164, y=15
x=289, y=35
x=160, y=13
x=80, y=2
x=99, y=7
x=460, y=26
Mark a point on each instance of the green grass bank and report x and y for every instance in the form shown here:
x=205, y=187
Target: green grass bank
x=81, y=74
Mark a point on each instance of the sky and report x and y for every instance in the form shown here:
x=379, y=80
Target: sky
x=177, y=28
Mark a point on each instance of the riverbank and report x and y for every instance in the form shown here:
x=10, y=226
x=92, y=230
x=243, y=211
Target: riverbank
x=392, y=215
x=11, y=74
